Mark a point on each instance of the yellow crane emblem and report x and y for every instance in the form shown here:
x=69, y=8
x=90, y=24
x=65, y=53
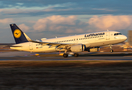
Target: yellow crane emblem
x=17, y=33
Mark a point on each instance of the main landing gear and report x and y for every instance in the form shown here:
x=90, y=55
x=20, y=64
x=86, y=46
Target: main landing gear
x=76, y=54
x=65, y=55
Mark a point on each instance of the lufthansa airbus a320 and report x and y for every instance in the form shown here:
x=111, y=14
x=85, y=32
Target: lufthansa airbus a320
x=74, y=44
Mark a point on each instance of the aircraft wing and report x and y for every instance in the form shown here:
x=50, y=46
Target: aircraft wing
x=58, y=45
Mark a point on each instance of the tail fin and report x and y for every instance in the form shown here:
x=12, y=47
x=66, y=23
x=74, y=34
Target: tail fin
x=18, y=35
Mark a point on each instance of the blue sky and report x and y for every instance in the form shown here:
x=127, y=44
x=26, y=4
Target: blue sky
x=50, y=18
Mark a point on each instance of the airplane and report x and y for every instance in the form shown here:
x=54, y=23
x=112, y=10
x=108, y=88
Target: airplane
x=74, y=44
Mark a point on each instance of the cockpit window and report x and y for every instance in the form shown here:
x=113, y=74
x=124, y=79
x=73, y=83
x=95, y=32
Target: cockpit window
x=117, y=34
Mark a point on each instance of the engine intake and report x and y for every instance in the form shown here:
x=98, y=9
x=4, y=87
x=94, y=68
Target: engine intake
x=78, y=48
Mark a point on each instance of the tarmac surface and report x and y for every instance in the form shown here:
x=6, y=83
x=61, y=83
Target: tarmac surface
x=91, y=71
x=54, y=56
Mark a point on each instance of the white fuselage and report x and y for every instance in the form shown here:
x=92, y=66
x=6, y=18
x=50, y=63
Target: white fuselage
x=89, y=40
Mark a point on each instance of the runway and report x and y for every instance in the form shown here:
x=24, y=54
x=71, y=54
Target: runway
x=54, y=56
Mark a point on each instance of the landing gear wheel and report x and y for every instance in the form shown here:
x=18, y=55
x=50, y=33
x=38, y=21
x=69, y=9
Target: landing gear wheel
x=76, y=54
x=65, y=55
x=111, y=50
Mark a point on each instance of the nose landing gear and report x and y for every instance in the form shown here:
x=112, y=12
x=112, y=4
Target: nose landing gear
x=111, y=50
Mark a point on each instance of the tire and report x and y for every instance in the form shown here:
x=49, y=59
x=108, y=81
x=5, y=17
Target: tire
x=111, y=50
x=76, y=54
x=65, y=55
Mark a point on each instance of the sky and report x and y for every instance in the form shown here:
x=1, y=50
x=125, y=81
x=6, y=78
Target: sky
x=51, y=18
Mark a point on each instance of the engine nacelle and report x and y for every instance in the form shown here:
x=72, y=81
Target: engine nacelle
x=78, y=48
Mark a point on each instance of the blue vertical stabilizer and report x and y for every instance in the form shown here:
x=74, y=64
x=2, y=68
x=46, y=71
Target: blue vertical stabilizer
x=18, y=34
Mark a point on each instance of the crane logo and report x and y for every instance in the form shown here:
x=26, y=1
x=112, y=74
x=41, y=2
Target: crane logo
x=17, y=33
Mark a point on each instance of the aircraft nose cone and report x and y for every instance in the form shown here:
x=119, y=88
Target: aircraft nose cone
x=125, y=37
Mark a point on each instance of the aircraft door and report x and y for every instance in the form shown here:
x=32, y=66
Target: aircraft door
x=107, y=35
x=30, y=46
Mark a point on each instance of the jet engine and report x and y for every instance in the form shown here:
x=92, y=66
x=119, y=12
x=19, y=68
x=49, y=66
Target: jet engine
x=78, y=48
